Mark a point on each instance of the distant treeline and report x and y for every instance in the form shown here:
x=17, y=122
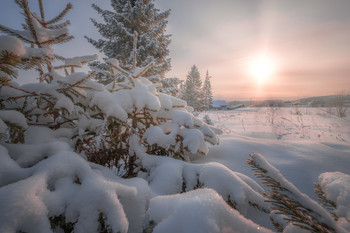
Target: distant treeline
x=317, y=101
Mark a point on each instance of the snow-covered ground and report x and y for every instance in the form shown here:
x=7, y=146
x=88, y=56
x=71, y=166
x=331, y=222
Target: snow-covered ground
x=302, y=143
x=217, y=193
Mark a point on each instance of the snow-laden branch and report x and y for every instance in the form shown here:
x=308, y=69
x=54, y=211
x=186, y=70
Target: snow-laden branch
x=300, y=209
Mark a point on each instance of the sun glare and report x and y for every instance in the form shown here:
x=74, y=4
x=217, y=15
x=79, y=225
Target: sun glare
x=261, y=68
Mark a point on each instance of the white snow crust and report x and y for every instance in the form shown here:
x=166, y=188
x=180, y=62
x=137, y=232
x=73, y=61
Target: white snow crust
x=48, y=179
x=79, y=61
x=201, y=210
x=14, y=117
x=12, y=45
x=17, y=47
x=336, y=187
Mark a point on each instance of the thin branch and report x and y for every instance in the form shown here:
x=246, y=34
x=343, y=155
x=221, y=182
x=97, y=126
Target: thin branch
x=149, y=66
x=135, y=50
x=288, y=200
x=69, y=6
x=28, y=18
x=121, y=70
x=35, y=16
x=59, y=57
x=42, y=11
x=61, y=38
x=78, y=82
x=59, y=26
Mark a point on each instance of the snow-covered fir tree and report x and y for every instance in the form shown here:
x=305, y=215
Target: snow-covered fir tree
x=41, y=124
x=140, y=114
x=117, y=30
x=207, y=92
x=193, y=94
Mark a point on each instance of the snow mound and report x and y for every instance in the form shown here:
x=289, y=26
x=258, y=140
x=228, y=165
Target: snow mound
x=109, y=105
x=13, y=117
x=39, y=182
x=336, y=187
x=183, y=177
x=15, y=46
x=201, y=210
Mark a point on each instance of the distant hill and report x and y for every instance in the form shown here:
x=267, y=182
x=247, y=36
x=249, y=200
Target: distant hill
x=315, y=101
x=323, y=101
x=261, y=103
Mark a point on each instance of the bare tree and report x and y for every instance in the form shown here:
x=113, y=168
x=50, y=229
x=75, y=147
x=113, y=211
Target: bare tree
x=272, y=113
x=340, y=101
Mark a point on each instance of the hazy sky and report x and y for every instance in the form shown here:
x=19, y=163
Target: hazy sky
x=307, y=42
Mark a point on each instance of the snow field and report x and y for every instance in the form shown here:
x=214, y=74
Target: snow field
x=302, y=159
x=45, y=178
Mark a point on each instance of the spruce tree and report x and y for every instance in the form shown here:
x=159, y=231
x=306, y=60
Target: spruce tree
x=127, y=17
x=193, y=89
x=207, y=92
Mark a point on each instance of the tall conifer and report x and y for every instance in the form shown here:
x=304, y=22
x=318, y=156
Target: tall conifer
x=127, y=17
x=207, y=92
x=193, y=89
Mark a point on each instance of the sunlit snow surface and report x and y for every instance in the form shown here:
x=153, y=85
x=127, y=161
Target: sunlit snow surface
x=301, y=146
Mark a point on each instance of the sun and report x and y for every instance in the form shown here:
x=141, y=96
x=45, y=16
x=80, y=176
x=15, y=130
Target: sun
x=261, y=68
